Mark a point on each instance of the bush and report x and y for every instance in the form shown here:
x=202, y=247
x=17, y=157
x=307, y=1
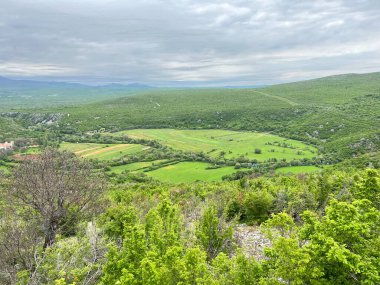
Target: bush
x=213, y=233
x=257, y=206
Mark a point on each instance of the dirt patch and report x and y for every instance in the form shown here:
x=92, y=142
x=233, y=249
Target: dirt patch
x=24, y=157
x=86, y=149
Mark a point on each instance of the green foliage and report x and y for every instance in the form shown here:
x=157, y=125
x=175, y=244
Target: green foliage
x=257, y=206
x=368, y=187
x=76, y=260
x=118, y=219
x=338, y=248
x=213, y=234
x=342, y=243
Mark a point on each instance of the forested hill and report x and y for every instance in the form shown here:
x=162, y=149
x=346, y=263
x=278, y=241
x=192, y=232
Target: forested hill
x=340, y=114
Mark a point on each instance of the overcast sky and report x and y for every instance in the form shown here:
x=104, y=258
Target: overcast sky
x=188, y=42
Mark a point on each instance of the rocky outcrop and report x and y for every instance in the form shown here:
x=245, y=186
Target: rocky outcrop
x=251, y=240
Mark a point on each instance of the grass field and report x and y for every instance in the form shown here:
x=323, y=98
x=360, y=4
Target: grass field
x=298, y=169
x=134, y=166
x=102, y=151
x=233, y=144
x=184, y=172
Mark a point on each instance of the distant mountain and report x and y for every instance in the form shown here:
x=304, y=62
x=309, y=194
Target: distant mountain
x=138, y=85
x=21, y=83
x=131, y=85
x=244, y=86
x=15, y=93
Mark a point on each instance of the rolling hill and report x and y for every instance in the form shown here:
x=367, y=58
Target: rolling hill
x=338, y=114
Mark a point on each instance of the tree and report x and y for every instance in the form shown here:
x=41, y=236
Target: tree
x=344, y=243
x=18, y=245
x=57, y=187
x=213, y=233
x=340, y=247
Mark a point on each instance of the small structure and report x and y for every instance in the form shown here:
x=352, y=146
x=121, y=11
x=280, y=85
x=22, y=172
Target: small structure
x=7, y=145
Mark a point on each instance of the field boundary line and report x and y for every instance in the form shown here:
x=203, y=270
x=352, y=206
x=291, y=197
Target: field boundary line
x=105, y=149
x=290, y=102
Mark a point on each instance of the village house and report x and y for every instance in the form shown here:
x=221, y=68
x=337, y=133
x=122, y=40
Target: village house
x=7, y=145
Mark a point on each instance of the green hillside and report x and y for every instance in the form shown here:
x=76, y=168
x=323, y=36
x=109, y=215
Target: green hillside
x=339, y=114
x=338, y=89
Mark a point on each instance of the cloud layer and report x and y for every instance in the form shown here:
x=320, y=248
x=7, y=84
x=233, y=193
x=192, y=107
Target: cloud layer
x=188, y=42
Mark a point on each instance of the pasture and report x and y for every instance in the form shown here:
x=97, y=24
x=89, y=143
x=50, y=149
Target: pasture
x=136, y=166
x=186, y=172
x=229, y=144
x=102, y=151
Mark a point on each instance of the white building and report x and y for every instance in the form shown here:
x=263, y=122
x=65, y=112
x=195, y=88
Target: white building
x=7, y=145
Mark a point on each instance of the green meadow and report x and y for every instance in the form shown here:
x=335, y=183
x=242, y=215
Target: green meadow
x=217, y=144
x=135, y=166
x=230, y=144
x=185, y=172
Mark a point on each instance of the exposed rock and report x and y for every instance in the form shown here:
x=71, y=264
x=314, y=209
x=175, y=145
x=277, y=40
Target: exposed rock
x=251, y=240
x=34, y=118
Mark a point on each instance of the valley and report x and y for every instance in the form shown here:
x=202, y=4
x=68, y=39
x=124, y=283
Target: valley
x=190, y=142
x=205, y=176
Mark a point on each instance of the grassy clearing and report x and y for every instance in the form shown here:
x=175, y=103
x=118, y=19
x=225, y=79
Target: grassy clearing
x=102, y=151
x=33, y=150
x=185, y=172
x=231, y=143
x=298, y=169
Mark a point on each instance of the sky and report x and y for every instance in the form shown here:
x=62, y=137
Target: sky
x=188, y=42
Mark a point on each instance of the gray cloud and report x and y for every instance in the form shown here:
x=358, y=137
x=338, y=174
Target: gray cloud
x=188, y=41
